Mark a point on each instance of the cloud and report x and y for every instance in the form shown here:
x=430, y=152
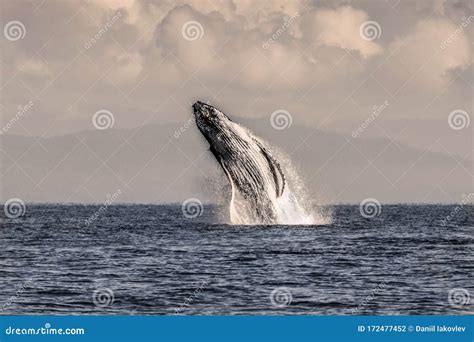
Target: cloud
x=129, y=67
x=340, y=28
x=33, y=67
x=257, y=55
x=235, y=51
x=432, y=51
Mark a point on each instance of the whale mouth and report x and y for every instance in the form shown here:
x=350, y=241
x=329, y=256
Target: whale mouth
x=203, y=110
x=205, y=118
x=206, y=111
x=197, y=106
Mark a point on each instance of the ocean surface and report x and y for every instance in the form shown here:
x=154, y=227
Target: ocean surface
x=151, y=260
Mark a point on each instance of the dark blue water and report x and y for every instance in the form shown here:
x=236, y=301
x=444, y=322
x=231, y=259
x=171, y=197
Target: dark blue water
x=148, y=259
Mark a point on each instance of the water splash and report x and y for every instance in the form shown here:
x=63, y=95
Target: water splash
x=294, y=207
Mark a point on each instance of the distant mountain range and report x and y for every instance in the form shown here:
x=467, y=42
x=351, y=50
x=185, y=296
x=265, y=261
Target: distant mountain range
x=168, y=163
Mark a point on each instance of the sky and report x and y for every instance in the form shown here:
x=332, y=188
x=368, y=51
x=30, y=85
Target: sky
x=395, y=70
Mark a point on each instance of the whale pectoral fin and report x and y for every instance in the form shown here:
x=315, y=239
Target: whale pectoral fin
x=275, y=168
x=278, y=176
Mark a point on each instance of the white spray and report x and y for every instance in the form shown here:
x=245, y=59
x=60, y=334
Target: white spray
x=293, y=207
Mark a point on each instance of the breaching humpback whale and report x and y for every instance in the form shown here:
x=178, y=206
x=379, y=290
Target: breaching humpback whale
x=255, y=175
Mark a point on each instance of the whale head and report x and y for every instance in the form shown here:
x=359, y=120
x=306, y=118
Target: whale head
x=211, y=122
